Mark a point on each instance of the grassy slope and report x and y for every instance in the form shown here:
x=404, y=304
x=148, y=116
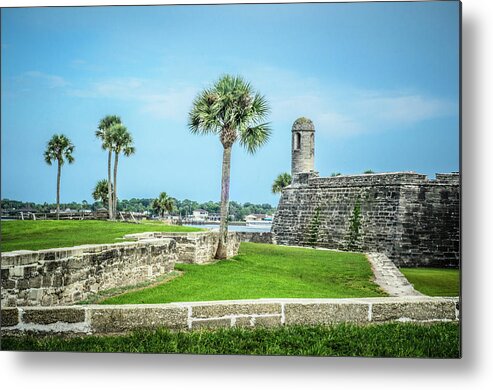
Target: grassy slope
x=390, y=340
x=434, y=281
x=265, y=271
x=36, y=235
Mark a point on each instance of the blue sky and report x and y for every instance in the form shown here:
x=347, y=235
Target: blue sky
x=379, y=80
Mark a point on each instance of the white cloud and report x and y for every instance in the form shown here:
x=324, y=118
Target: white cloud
x=335, y=109
x=151, y=96
x=405, y=108
x=344, y=109
x=51, y=81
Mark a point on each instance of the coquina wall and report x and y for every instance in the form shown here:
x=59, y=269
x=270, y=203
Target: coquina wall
x=257, y=237
x=195, y=247
x=109, y=319
x=66, y=275
x=415, y=221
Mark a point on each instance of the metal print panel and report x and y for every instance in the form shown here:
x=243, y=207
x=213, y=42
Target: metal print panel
x=258, y=179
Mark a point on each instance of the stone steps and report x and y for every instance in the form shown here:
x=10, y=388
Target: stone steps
x=389, y=277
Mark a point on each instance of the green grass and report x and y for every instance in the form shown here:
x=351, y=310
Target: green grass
x=440, y=340
x=434, y=281
x=34, y=235
x=265, y=271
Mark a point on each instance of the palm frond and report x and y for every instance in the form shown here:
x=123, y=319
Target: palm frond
x=59, y=148
x=252, y=138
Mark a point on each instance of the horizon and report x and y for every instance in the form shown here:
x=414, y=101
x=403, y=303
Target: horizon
x=379, y=80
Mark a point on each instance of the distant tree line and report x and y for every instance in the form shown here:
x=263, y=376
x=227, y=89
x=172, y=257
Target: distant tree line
x=181, y=207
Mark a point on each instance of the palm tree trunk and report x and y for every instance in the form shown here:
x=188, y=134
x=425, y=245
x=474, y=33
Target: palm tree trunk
x=58, y=190
x=223, y=229
x=115, y=170
x=110, y=193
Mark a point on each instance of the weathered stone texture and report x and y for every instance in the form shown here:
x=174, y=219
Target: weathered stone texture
x=243, y=322
x=414, y=311
x=258, y=237
x=9, y=316
x=324, y=313
x=67, y=275
x=414, y=221
x=222, y=310
x=102, y=319
x=117, y=319
x=211, y=323
x=195, y=247
x=268, y=321
x=51, y=315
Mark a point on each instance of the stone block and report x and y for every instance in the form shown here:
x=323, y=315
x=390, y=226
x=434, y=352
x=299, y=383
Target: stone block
x=17, y=272
x=268, y=322
x=51, y=315
x=9, y=316
x=35, y=294
x=232, y=309
x=324, y=313
x=8, y=284
x=432, y=310
x=211, y=323
x=243, y=322
x=121, y=319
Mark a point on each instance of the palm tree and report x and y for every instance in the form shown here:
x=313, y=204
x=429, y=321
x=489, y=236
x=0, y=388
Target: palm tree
x=122, y=142
x=100, y=192
x=59, y=149
x=232, y=110
x=283, y=180
x=103, y=133
x=163, y=203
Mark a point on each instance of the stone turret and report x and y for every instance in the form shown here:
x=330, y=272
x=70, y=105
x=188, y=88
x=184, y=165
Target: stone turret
x=302, y=150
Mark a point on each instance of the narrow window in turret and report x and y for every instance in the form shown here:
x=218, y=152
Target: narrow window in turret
x=297, y=141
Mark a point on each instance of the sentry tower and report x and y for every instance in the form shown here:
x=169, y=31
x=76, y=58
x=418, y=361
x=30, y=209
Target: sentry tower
x=303, y=147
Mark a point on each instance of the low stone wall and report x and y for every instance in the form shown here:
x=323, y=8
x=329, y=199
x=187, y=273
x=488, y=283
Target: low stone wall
x=108, y=319
x=258, y=237
x=66, y=275
x=194, y=247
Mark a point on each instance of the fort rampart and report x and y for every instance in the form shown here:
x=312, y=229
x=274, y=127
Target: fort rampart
x=415, y=221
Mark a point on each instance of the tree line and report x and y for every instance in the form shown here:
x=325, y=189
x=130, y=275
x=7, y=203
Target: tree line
x=180, y=207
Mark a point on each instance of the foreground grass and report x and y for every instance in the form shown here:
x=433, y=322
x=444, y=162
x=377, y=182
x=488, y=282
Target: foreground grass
x=434, y=281
x=34, y=235
x=265, y=271
x=385, y=340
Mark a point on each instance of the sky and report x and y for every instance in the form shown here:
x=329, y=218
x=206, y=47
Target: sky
x=380, y=81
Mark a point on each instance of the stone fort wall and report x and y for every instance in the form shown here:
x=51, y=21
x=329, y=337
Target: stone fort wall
x=63, y=276
x=66, y=275
x=415, y=221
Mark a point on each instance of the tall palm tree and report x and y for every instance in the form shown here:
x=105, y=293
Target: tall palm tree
x=281, y=181
x=103, y=133
x=100, y=192
x=232, y=110
x=163, y=203
x=59, y=149
x=122, y=142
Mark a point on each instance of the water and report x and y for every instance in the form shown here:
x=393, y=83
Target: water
x=236, y=228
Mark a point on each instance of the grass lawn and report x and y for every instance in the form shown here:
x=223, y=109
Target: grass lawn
x=386, y=340
x=36, y=235
x=265, y=271
x=434, y=281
